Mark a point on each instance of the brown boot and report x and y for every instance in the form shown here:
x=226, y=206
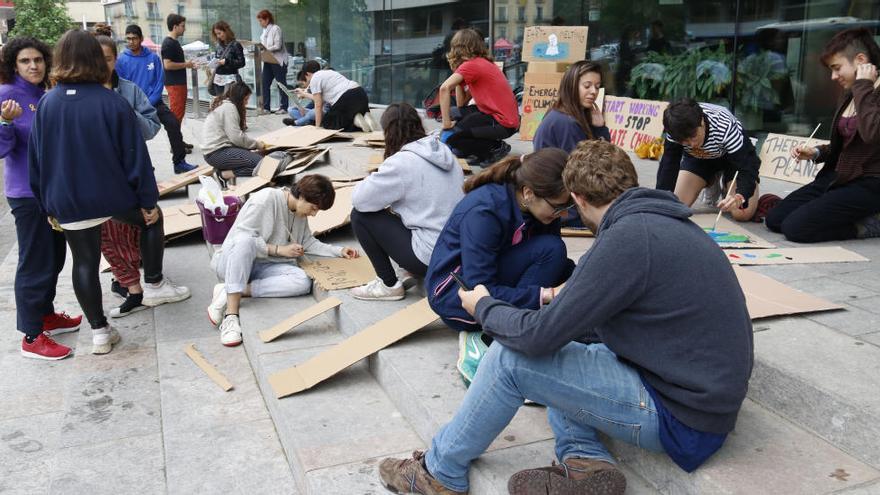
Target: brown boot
x=575, y=476
x=411, y=476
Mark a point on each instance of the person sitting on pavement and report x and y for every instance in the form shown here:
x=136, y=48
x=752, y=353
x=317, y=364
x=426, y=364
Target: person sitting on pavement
x=347, y=99
x=24, y=78
x=225, y=141
x=702, y=141
x=88, y=163
x=304, y=115
x=844, y=200
x=399, y=210
x=575, y=116
x=629, y=348
x=258, y=257
x=504, y=234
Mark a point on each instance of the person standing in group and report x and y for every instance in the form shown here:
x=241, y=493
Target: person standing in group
x=349, y=105
x=273, y=41
x=229, y=56
x=399, y=211
x=24, y=77
x=225, y=141
x=88, y=162
x=175, y=64
x=480, y=129
x=141, y=66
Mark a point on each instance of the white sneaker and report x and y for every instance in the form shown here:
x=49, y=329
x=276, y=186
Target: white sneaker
x=166, y=292
x=230, y=331
x=103, y=339
x=712, y=193
x=374, y=126
x=218, y=305
x=361, y=122
x=378, y=291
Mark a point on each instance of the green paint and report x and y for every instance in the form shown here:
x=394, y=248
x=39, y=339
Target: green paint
x=725, y=237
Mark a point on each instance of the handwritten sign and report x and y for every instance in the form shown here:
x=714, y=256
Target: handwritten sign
x=633, y=121
x=554, y=43
x=777, y=163
x=339, y=273
x=541, y=91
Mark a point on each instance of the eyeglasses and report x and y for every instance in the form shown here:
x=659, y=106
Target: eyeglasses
x=559, y=209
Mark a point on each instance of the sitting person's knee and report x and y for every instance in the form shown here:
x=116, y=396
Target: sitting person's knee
x=796, y=231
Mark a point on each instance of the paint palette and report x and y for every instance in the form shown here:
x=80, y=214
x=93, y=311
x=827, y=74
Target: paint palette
x=725, y=237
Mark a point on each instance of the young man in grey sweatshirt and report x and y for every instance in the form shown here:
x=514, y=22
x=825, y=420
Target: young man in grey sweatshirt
x=650, y=342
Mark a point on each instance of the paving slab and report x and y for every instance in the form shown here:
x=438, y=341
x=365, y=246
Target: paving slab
x=27, y=445
x=849, y=321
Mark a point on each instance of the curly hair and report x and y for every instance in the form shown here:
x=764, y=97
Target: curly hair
x=237, y=93
x=401, y=125
x=9, y=56
x=599, y=172
x=540, y=171
x=102, y=29
x=466, y=44
x=569, y=100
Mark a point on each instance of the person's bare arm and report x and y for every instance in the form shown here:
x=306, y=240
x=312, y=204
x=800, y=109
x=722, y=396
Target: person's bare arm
x=446, y=88
x=319, y=109
x=169, y=65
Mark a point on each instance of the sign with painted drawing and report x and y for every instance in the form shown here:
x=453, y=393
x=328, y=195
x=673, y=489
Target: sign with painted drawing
x=554, y=43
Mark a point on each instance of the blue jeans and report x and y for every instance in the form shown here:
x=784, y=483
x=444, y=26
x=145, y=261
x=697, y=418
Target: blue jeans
x=586, y=390
x=307, y=118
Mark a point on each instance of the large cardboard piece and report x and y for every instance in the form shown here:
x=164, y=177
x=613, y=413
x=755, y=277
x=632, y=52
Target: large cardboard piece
x=766, y=297
x=540, y=92
x=777, y=163
x=633, y=121
x=181, y=219
x=182, y=180
x=706, y=220
x=265, y=174
x=295, y=137
x=339, y=273
x=366, y=342
x=554, y=43
x=793, y=256
x=299, y=318
x=339, y=215
x=304, y=162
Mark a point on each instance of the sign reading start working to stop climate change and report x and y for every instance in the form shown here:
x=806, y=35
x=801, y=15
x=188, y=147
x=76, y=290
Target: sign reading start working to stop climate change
x=632, y=121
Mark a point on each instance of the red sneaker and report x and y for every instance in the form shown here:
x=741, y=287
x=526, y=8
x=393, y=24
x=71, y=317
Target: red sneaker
x=58, y=323
x=44, y=348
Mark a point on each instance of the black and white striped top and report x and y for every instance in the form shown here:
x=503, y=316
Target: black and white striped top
x=724, y=134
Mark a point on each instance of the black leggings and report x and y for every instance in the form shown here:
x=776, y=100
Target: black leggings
x=341, y=114
x=477, y=133
x=383, y=236
x=85, y=245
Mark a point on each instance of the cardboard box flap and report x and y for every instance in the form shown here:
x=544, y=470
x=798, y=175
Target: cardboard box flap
x=777, y=163
x=554, y=43
x=767, y=297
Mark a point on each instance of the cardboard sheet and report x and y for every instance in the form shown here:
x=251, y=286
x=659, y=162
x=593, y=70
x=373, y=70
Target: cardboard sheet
x=181, y=219
x=292, y=137
x=339, y=273
x=298, y=319
x=347, y=180
x=208, y=368
x=182, y=180
x=577, y=232
x=348, y=352
x=554, y=43
x=540, y=91
x=264, y=177
x=633, y=121
x=378, y=159
x=339, y=215
x=301, y=164
x=767, y=297
x=374, y=140
x=706, y=220
x=777, y=163
x=793, y=256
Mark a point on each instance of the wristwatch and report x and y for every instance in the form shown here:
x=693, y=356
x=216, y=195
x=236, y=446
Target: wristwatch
x=5, y=122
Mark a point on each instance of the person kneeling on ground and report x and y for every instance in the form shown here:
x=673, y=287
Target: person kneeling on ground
x=843, y=199
x=225, y=141
x=504, y=234
x=712, y=142
x=347, y=99
x=258, y=257
x=629, y=347
x=400, y=209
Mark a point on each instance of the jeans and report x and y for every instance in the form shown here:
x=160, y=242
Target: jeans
x=307, y=118
x=278, y=73
x=586, y=390
x=237, y=265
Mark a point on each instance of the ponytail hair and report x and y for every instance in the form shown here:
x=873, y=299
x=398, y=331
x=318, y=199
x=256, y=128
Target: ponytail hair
x=540, y=171
x=401, y=125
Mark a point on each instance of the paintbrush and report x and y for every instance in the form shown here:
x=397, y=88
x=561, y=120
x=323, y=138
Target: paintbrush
x=809, y=139
x=729, y=190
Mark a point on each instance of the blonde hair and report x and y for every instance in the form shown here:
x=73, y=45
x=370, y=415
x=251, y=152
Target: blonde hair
x=466, y=44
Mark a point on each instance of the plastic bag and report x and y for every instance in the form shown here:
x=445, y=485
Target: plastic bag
x=211, y=196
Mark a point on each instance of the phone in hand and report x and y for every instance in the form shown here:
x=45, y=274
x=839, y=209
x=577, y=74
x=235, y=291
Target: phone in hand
x=459, y=281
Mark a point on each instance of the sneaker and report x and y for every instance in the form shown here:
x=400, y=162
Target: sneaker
x=281, y=111
x=131, y=305
x=183, y=167
x=497, y=153
x=218, y=305
x=575, y=476
x=43, y=347
x=378, y=291
x=361, y=122
x=374, y=126
x=103, y=339
x=117, y=289
x=230, y=331
x=712, y=193
x=471, y=350
x=188, y=147
x=407, y=279
x=288, y=121
x=411, y=476
x=166, y=292
x=58, y=323
x=868, y=227
x=765, y=203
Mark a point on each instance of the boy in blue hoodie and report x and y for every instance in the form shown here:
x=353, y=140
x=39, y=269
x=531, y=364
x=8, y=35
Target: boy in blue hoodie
x=141, y=66
x=629, y=347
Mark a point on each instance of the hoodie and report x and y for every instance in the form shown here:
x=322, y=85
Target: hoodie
x=14, y=137
x=145, y=70
x=422, y=184
x=657, y=291
x=147, y=116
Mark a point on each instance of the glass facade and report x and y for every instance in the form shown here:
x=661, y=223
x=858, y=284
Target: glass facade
x=758, y=57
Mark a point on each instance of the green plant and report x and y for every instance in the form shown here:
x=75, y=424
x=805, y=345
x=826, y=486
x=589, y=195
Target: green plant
x=755, y=77
x=702, y=74
x=45, y=20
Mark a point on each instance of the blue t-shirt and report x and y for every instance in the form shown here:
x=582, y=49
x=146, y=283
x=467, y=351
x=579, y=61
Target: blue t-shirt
x=689, y=448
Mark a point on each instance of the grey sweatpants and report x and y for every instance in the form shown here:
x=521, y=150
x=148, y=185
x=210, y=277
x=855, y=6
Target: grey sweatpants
x=237, y=265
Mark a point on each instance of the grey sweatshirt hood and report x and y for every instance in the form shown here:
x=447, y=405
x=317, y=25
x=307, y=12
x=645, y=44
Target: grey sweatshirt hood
x=642, y=200
x=433, y=151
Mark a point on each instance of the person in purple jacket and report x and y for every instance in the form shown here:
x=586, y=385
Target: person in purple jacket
x=41, y=250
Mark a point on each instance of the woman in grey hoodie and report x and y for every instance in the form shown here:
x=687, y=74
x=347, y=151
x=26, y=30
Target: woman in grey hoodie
x=400, y=210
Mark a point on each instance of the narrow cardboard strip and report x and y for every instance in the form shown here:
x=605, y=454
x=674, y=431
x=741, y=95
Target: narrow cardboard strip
x=576, y=232
x=183, y=180
x=366, y=342
x=793, y=256
x=706, y=220
x=767, y=297
x=339, y=273
x=288, y=324
x=208, y=368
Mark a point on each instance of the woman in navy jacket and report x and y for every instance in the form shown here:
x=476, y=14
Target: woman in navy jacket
x=575, y=115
